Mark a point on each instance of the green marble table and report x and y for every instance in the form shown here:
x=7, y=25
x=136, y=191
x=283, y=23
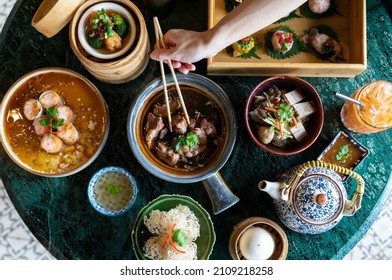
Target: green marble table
x=57, y=210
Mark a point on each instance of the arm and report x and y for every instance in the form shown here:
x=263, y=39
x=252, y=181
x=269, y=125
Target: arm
x=186, y=47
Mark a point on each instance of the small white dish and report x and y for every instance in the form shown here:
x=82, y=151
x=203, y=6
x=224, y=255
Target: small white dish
x=107, y=6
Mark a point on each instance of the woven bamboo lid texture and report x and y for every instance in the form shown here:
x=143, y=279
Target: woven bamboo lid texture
x=53, y=15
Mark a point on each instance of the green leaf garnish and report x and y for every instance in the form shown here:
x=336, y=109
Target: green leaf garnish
x=46, y=121
x=295, y=49
x=105, y=19
x=292, y=15
x=52, y=112
x=113, y=189
x=190, y=139
x=56, y=123
x=343, y=153
x=285, y=112
x=51, y=120
x=179, y=143
x=179, y=237
x=95, y=22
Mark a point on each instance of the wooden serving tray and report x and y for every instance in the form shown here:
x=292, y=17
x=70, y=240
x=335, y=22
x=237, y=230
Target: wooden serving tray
x=350, y=27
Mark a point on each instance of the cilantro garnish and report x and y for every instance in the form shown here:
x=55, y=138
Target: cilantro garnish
x=179, y=237
x=285, y=112
x=113, y=189
x=343, y=153
x=190, y=140
x=51, y=120
x=105, y=19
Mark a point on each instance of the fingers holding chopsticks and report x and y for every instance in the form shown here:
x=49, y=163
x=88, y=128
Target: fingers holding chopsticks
x=161, y=43
x=183, y=46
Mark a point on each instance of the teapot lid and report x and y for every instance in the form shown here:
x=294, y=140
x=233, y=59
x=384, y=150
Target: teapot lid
x=318, y=199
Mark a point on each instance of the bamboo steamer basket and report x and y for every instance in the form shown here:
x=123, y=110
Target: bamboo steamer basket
x=279, y=236
x=122, y=69
x=52, y=15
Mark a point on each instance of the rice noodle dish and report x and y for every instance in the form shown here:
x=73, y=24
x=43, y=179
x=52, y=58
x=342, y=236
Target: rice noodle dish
x=174, y=234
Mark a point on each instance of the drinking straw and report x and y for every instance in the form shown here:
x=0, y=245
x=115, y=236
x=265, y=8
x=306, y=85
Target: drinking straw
x=349, y=99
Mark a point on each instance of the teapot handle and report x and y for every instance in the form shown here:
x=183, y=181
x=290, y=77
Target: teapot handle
x=354, y=204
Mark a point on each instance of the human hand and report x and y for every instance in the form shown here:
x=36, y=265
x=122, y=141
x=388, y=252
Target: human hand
x=183, y=48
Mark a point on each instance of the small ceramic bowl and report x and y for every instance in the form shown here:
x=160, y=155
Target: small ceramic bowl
x=107, y=6
x=336, y=154
x=313, y=125
x=275, y=231
x=205, y=242
x=112, y=191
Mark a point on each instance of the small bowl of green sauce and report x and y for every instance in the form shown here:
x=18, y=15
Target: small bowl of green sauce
x=112, y=191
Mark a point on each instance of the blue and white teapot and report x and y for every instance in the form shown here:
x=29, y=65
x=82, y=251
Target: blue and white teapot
x=311, y=198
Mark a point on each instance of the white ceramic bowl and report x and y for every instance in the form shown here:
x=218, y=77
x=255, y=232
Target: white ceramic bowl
x=107, y=6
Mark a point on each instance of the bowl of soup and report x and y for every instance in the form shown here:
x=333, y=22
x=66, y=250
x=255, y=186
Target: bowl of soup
x=195, y=149
x=119, y=63
x=54, y=122
x=112, y=191
x=106, y=30
x=284, y=115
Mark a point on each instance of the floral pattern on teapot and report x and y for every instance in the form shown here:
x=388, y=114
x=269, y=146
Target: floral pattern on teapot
x=302, y=213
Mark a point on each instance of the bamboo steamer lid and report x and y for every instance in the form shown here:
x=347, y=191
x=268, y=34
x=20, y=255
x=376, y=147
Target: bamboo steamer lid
x=120, y=70
x=53, y=15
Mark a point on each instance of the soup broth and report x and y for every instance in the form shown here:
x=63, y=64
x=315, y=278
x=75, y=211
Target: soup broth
x=105, y=50
x=199, y=107
x=113, y=191
x=344, y=152
x=91, y=118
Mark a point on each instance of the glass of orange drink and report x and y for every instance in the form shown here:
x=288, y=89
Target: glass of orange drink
x=375, y=115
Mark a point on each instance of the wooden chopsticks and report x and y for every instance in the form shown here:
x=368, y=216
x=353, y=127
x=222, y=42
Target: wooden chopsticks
x=160, y=44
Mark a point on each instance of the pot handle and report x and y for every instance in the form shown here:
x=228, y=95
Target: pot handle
x=352, y=205
x=220, y=195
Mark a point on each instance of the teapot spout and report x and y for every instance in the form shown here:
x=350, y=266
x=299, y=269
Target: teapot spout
x=272, y=188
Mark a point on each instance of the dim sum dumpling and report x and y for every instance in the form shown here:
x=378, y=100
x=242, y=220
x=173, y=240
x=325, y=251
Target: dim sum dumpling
x=324, y=45
x=319, y=6
x=282, y=41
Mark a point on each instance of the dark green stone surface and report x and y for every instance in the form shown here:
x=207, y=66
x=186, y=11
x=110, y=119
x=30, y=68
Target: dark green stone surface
x=58, y=212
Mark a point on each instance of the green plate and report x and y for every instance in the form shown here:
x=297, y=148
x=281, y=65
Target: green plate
x=205, y=242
